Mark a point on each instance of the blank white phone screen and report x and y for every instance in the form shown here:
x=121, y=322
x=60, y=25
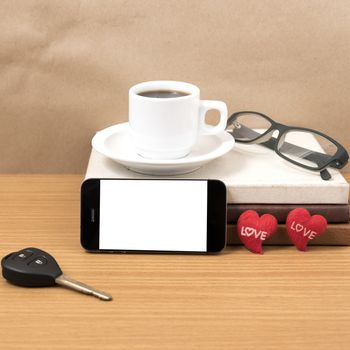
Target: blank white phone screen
x=158, y=215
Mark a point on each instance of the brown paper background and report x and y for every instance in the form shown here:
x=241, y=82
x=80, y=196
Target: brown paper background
x=66, y=67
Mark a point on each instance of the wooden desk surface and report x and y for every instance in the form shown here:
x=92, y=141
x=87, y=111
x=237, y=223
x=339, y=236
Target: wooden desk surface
x=284, y=299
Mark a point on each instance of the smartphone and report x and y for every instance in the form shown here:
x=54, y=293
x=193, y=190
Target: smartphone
x=153, y=215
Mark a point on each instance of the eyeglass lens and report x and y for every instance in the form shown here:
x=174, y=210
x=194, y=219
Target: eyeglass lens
x=248, y=127
x=306, y=148
x=303, y=147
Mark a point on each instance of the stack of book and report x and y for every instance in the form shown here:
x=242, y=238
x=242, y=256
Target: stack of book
x=256, y=178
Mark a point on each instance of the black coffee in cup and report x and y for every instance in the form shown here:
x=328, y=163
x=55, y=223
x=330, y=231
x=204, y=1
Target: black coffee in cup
x=163, y=93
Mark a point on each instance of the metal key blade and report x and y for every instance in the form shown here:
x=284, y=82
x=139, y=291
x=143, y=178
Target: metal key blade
x=68, y=282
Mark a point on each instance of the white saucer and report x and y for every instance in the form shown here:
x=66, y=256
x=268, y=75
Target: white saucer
x=115, y=143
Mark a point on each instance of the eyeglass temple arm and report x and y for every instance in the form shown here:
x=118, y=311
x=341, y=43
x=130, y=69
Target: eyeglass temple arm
x=315, y=157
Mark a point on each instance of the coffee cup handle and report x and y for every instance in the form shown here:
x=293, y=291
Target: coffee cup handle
x=207, y=105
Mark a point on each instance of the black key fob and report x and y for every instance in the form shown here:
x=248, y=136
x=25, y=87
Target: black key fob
x=30, y=267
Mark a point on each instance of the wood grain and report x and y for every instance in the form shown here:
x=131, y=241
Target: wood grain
x=283, y=299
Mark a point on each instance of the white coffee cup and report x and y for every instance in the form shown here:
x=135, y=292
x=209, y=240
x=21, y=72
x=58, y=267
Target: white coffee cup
x=168, y=127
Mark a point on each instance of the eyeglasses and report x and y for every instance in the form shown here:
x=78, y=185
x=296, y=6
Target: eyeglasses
x=307, y=148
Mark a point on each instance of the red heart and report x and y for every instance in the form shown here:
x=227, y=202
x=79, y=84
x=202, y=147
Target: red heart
x=253, y=230
x=302, y=227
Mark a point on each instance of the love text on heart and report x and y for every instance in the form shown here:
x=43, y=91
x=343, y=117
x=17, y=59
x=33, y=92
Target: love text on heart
x=301, y=228
x=252, y=232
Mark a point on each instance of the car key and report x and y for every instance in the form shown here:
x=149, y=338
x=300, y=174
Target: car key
x=32, y=267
